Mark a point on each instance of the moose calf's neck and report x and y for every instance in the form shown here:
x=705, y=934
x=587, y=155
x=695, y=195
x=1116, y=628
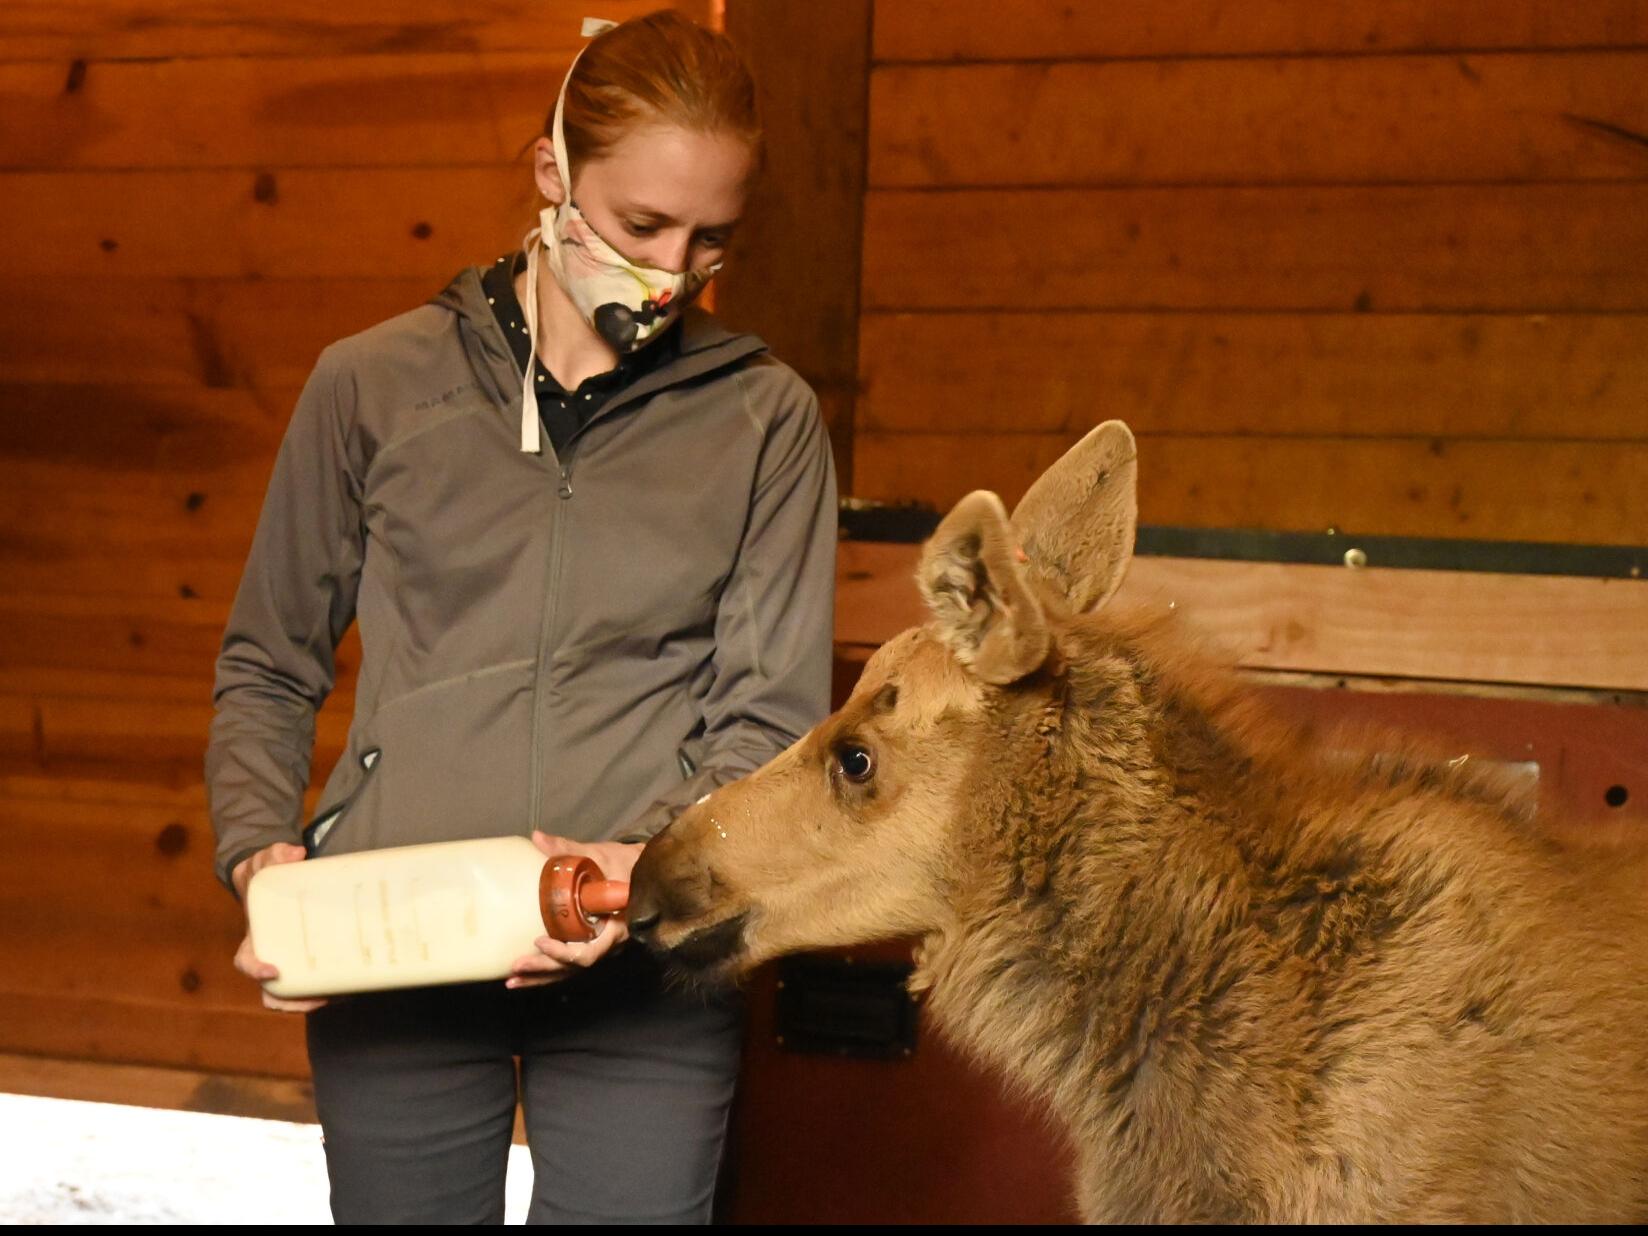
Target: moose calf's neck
x=1127, y=928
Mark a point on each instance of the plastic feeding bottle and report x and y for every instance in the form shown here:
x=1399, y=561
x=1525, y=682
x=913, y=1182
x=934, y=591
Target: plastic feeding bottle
x=451, y=912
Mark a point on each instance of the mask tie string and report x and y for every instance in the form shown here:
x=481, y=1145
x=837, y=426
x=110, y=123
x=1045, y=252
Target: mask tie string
x=531, y=433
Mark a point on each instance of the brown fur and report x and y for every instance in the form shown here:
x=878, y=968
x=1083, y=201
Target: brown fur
x=1257, y=980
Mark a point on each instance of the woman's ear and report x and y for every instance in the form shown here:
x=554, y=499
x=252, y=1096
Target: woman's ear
x=981, y=605
x=545, y=173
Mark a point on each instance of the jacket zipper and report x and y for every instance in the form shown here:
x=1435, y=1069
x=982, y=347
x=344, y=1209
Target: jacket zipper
x=563, y=491
x=552, y=585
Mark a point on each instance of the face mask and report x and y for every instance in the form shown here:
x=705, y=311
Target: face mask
x=625, y=304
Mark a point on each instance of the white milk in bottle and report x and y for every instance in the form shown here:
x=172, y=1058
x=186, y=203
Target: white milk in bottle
x=413, y=916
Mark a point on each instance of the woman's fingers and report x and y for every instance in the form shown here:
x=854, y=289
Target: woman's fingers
x=553, y=846
x=247, y=963
x=555, y=959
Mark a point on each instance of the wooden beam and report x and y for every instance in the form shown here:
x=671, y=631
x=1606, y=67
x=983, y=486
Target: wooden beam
x=1459, y=626
x=793, y=274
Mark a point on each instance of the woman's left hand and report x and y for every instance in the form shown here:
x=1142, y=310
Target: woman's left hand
x=556, y=959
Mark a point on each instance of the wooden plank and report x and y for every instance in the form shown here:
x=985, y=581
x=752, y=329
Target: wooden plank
x=69, y=728
x=161, y=1032
x=189, y=1090
x=133, y=490
x=34, y=562
x=51, y=947
x=269, y=113
x=1591, y=493
x=19, y=728
x=121, y=785
x=1057, y=29
x=125, y=684
x=92, y=430
x=140, y=648
x=804, y=224
x=1458, y=626
x=1512, y=117
x=41, y=635
x=1389, y=248
x=104, y=29
x=145, y=521
x=191, y=332
x=107, y=788
x=303, y=223
x=1580, y=376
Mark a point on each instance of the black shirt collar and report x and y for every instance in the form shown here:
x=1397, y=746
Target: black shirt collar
x=499, y=284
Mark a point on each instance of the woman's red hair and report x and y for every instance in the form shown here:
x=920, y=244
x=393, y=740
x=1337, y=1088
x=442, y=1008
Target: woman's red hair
x=657, y=69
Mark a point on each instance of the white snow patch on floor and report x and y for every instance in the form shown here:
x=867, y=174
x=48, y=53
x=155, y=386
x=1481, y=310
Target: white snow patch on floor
x=65, y=1161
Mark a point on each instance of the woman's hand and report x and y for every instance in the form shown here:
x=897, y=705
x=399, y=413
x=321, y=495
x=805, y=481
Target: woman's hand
x=556, y=959
x=245, y=960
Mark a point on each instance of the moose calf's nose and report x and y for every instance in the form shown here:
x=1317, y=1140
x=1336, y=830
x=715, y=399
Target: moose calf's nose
x=647, y=893
x=642, y=920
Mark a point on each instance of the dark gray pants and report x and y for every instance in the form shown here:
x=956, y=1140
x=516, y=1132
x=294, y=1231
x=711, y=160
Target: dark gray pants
x=626, y=1086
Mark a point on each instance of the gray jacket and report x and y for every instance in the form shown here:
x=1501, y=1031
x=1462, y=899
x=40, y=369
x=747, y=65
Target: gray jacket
x=583, y=645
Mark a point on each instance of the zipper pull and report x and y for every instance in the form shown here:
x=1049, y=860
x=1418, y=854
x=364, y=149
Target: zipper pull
x=565, y=491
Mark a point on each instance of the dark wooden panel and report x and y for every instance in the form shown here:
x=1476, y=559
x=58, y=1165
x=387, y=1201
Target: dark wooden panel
x=1592, y=493
x=1262, y=121
x=52, y=30
x=930, y=1139
x=793, y=274
x=1363, y=375
x=1406, y=248
x=1058, y=29
x=307, y=224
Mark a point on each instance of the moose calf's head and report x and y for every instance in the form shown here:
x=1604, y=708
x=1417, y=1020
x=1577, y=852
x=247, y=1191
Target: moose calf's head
x=853, y=833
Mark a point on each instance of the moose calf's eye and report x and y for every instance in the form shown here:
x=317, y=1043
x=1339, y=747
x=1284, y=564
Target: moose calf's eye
x=857, y=764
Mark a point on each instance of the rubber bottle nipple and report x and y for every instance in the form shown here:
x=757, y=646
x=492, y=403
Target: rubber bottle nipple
x=572, y=895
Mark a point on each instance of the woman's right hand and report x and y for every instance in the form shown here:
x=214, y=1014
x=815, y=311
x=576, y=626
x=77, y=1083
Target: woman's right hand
x=245, y=960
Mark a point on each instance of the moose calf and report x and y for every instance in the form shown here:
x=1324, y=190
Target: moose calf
x=1255, y=981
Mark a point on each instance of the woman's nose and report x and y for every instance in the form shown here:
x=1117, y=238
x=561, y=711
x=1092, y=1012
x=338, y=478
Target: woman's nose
x=673, y=255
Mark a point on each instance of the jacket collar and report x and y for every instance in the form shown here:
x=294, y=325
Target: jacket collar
x=705, y=346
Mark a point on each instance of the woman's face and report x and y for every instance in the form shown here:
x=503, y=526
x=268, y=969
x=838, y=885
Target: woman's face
x=662, y=196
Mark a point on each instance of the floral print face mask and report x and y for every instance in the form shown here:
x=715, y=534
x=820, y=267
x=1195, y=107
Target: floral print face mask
x=625, y=304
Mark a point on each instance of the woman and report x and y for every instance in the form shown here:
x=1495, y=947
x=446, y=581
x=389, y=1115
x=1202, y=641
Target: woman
x=589, y=537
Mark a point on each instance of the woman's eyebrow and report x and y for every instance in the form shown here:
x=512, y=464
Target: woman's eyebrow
x=660, y=218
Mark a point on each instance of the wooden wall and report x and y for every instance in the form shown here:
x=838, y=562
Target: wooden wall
x=1379, y=265
x=196, y=197
x=1383, y=266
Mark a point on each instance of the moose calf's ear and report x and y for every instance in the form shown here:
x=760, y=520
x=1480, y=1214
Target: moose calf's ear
x=982, y=606
x=1078, y=521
